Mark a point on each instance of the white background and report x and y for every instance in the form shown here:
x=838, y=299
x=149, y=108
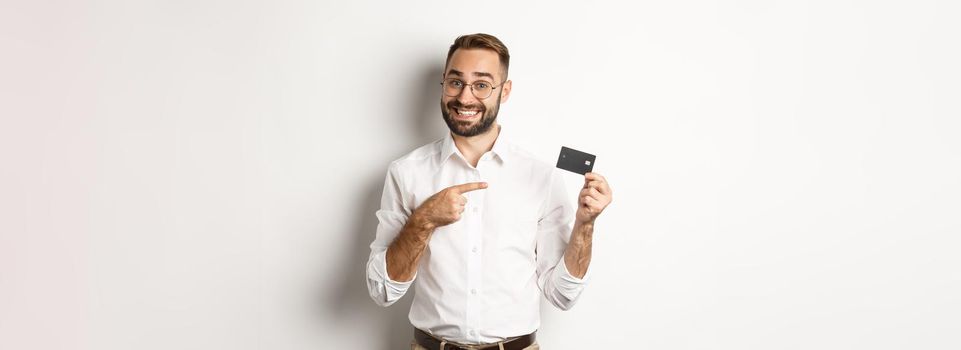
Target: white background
x=204, y=174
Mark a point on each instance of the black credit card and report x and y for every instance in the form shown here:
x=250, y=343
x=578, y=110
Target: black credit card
x=575, y=161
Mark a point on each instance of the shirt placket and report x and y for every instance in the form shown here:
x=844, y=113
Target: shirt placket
x=475, y=232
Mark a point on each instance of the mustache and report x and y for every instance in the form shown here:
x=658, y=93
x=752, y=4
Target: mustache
x=455, y=104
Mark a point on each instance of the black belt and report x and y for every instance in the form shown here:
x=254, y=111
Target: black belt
x=431, y=343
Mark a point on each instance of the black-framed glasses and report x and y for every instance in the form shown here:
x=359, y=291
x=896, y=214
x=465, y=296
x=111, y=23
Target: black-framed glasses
x=481, y=88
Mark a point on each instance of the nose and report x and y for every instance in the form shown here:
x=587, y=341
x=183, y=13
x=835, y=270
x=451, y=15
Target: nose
x=466, y=95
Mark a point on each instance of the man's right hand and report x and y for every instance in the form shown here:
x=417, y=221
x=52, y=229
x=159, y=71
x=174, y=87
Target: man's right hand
x=445, y=207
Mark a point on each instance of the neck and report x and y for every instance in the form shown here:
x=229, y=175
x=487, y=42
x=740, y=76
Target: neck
x=475, y=146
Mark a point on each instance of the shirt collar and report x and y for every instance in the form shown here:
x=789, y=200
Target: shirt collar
x=501, y=148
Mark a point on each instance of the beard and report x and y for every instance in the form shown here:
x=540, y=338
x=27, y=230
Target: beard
x=466, y=129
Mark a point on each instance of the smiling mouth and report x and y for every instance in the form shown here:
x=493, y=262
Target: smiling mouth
x=466, y=114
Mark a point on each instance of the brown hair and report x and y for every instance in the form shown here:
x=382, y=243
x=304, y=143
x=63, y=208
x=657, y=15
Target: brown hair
x=482, y=41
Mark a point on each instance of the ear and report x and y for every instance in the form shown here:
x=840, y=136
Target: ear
x=506, y=91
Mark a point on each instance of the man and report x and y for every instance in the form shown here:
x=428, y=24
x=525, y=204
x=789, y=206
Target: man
x=479, y=227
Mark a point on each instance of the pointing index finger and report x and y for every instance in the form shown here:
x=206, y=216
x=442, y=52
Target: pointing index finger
x=467, y=187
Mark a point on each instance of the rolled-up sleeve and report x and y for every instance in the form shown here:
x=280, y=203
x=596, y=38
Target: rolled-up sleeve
x=391, y=218
x=553, y=235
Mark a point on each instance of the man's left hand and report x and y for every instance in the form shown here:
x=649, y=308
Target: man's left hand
x=594, y=197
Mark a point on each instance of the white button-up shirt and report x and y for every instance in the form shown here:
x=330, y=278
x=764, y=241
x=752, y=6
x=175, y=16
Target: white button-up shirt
x=480, y=278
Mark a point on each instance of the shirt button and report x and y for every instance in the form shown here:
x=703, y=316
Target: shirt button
x=476, y=209
x=473, y=291
x=471, y=332
x=473, y=250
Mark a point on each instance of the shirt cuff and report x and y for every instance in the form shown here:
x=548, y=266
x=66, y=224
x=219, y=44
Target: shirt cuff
x=394, y=290
x=568, y=285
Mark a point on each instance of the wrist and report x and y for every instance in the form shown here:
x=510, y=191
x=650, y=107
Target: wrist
x=420, y=222
x=588, y=224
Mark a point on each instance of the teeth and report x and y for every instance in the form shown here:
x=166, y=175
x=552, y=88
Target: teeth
x=467, y=113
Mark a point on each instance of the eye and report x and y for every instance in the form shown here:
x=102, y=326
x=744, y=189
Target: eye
x=482, y=85
x=457, y=83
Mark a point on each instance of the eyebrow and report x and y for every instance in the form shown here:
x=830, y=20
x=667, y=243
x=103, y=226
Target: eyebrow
x=478, y=74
